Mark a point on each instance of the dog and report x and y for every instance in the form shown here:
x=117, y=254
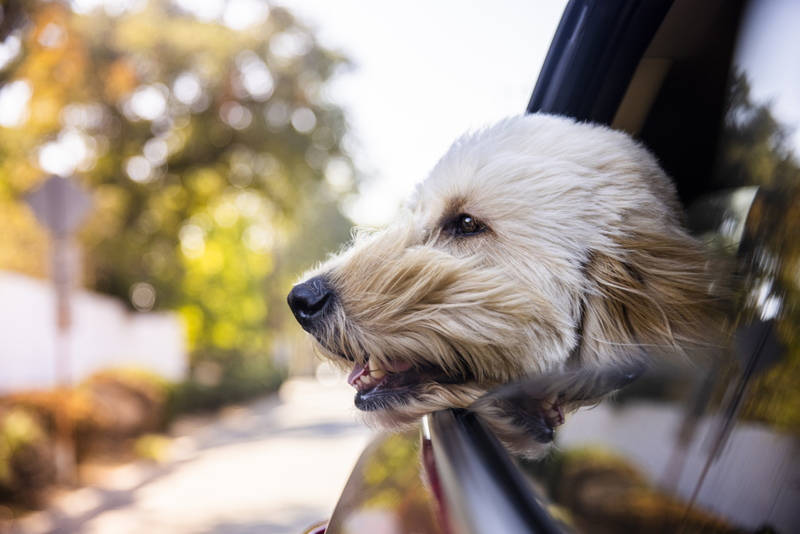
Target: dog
x=539, y=245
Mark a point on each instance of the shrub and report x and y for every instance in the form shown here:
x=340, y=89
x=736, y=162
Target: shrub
x=26, y=457
x=213, y=386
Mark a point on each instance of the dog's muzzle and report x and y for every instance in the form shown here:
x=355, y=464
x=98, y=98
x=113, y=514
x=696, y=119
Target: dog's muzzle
x=310, y=301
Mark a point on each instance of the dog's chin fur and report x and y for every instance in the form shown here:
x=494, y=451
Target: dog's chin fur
x=583, y=262
x=429, y=398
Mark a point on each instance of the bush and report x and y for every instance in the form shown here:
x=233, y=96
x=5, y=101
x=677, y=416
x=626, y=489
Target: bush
x=26, y=457
x=122, y=405
x=603, y=492
x=106, y=414
x=213, y=386
x=113, y=414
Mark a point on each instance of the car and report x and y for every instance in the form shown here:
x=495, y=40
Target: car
x=712, y=88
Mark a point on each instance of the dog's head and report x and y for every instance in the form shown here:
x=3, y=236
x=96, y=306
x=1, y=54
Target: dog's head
x=535, y=245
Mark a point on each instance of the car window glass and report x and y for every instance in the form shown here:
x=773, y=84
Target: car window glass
x=674, y=436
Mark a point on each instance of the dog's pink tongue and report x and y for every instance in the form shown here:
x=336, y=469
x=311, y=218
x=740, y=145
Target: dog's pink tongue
x=357, y=373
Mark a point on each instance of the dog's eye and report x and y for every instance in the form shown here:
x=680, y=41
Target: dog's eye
x=466, y=224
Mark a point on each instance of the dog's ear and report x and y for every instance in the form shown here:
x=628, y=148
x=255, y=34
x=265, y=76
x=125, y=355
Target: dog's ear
x=657, y=292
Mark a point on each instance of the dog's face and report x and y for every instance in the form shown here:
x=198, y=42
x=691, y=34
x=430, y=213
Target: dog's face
x=535, y=245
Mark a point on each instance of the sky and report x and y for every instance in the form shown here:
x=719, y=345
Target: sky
x=424, y=74
x=767, y=52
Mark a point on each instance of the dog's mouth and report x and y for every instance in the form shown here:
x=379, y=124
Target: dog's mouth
x=372, y=376
x=381, y=388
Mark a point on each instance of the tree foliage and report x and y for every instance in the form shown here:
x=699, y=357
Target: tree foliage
x=205, y=148
x=755, y=150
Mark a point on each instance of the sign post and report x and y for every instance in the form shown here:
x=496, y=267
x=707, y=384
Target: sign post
x=61, y=206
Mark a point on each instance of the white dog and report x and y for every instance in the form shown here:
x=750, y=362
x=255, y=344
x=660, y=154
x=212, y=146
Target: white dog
x=535, y=246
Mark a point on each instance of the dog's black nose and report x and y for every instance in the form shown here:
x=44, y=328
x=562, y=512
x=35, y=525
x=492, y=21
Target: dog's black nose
x=308, y=300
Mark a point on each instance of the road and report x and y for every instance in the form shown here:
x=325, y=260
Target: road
x=275, y=466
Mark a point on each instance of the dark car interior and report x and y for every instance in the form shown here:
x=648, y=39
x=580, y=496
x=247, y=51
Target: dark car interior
x=648, y=68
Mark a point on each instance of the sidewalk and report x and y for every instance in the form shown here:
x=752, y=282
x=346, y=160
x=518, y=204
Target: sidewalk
x=275, y=466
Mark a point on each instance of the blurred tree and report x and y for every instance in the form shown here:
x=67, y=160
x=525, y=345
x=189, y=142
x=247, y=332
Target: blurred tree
x=755, y=150
x=204, y=132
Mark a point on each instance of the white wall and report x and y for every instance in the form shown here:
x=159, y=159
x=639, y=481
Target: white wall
x=755, y=480
x=104, y=335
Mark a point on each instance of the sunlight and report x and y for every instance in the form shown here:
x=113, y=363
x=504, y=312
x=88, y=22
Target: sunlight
x=14, y=99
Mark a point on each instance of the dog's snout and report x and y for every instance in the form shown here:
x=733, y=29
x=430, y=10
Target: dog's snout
x=309, y=300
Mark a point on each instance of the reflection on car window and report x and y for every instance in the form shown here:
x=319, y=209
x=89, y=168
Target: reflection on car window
x=725, y=441
x=760, y=145
x=766, y=55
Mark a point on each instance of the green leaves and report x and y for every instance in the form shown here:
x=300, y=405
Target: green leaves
x=205, y=147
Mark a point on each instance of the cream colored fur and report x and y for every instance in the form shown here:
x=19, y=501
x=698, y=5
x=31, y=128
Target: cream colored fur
x=584, y=263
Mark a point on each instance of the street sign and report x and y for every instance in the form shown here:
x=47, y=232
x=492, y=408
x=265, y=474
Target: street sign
x=60, y=205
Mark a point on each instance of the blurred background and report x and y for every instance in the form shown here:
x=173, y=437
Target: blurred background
x=167, y=169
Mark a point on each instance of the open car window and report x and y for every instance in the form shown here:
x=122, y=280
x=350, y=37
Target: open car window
x=716, y=96
x=713, y=90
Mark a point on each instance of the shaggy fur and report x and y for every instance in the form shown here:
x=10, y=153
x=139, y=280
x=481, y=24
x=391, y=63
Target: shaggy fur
x=582, y=262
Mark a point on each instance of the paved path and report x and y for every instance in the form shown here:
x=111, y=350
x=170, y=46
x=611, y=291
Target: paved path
x=275, y=466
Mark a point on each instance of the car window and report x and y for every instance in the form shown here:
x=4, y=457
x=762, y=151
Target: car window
x=716, y=96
